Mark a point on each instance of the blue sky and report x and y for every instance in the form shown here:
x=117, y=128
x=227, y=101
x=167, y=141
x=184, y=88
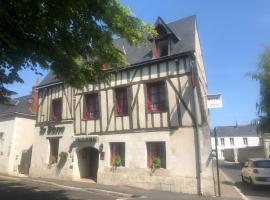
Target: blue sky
x=233, y=34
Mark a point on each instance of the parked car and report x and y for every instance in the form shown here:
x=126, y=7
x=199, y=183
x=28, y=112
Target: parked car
x=256, y=171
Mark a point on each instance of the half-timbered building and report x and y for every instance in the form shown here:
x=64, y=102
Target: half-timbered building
x=148, y=127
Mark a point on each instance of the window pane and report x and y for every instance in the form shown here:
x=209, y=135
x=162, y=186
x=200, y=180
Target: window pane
x=156, y=150
x=91, y=106
x=121, y=101
x=117, y=153
x=56, y=112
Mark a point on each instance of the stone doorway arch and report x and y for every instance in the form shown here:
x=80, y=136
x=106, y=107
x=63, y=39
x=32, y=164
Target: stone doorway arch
x=88, y=162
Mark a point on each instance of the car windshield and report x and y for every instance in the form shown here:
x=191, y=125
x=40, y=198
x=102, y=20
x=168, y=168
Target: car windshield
x=262, y=164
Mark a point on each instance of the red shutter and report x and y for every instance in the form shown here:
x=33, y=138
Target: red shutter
x=112, y=148
x=148, y=155
x=149, y=98
x=158, y=96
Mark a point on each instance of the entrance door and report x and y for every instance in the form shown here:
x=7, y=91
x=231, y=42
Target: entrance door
x=88, y=163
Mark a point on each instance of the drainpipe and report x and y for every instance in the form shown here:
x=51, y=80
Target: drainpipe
x=194, y=72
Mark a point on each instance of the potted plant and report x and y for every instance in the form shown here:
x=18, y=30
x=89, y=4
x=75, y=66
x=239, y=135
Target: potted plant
x=156, y=164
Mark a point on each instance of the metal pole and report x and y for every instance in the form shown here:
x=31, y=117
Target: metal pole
x=217, y=164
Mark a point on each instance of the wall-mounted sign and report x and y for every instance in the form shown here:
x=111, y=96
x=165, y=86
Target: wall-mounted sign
x=214, y=101
x=102, y=155
x=51, y=130
x=86, y=138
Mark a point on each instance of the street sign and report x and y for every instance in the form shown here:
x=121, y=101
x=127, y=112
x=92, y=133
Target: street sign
x=214, y=101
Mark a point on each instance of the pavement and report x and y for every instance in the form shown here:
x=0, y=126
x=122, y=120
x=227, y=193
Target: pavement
x=232, y=173
x=41, y=189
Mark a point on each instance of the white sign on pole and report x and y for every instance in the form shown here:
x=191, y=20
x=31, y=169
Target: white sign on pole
x=214, y=101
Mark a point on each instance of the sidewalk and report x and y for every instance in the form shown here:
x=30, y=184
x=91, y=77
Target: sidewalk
x=120, y=192
x=228, y=189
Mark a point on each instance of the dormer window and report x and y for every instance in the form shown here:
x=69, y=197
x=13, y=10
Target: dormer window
x=161, y=42
x=162, y=48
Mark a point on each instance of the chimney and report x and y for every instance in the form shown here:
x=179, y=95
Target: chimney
x=34, y=98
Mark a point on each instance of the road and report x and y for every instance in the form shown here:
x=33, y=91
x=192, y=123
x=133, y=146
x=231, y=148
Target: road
x=14, y=189
x=233, y=171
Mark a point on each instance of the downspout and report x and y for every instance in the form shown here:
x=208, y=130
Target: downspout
x=194, y=72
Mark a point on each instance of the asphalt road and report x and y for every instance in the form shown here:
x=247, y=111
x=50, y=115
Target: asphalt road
x=233, y=171
x=15, y=189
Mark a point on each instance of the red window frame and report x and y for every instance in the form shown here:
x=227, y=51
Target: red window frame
x=117, y=149
x=56, y=110
x=91, y=106
x=156, y=149
x=158, y=89
x=121, y=101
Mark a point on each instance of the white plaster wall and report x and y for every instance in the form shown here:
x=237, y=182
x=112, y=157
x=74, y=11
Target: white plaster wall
x=180, y=172
x=238, y=143
x=7, y=126
x=22, y=140
x=41, y=150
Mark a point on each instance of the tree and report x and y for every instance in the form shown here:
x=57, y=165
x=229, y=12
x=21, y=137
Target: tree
x=263, y=76
x=71, y=37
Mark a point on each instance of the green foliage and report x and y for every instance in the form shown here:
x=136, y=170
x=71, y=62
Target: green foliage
x=117, y=161
x=156, y=163
x=263, y=76
x=71, y=37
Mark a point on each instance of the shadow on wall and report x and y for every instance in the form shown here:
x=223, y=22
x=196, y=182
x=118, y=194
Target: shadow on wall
x=25, y=162
x=62, y=161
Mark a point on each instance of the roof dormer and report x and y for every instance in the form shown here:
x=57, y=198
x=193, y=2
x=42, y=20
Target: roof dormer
x=163, y=41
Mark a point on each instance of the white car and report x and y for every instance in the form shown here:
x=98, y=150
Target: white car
x=256, y=171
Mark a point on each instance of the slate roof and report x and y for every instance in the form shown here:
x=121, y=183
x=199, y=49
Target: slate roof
x=18, y=105
x=236, y=131
x=184, y=29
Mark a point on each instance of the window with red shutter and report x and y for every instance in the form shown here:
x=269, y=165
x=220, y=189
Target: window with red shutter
x=91, y=107
x=162, y=48
x=117, y=152
x=121, y=101
x=56, y=110
x=156, y=150
x=156, y=97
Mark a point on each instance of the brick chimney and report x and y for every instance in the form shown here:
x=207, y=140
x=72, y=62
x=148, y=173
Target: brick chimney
x=34, y=100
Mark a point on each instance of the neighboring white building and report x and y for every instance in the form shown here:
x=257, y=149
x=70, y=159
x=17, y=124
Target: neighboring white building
x=235, y=137
x=113, y=132
x=17, y=126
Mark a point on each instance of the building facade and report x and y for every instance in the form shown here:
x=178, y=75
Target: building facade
x=17, y=126
x=148, y=127
x=235, y=137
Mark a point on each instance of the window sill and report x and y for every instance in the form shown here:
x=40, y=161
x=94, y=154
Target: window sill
x=156, y=111
x=90, y=119
x=121, y=115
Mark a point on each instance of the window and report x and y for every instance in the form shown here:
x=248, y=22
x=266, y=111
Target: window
x=91, y=108
x=222, y=141
x=156, y=150
x=156, y=97
x=161, y=48
x=121, y=101
x=54, y=145
x=245, y=141
x=56, y=112
x=231, y=141
x=117, y=154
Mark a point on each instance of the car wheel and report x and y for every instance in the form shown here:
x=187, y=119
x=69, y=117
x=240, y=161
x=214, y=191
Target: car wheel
x=252, y=183
x=243, y=180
